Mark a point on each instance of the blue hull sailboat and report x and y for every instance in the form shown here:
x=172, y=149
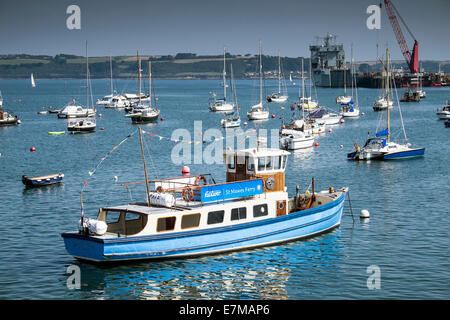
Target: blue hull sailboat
x=193, y=215
x=381, y=147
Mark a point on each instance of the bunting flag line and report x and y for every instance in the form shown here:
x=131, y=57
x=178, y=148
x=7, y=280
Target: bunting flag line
x=91, y=173
x=151, y=134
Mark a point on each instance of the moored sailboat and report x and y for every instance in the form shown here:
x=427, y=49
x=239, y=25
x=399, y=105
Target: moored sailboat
x=381, y=147
x=257, y=111
x=279, y=96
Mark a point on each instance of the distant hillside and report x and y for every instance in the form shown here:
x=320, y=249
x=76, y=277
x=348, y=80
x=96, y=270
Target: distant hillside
x=182, y=65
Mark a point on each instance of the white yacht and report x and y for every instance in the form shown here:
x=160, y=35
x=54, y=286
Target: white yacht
x=257, y=111
x=279, y=96
x=221, y=105
x=444, y=113
x=295, y=139
x=76, y=111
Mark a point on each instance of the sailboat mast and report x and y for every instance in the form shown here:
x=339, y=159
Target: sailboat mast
x=279, y=73
x=145, y=167
x=345, y=77
x=139, y=76
x=87, y=76
x=303, y=92
x=150, y=82
x=387, y=91
x=260, y=75
x=110, y=69
x=351, y=70
x=224, y=75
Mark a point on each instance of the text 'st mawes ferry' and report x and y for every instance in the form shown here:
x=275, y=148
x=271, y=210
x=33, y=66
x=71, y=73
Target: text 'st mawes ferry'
x=193, y=215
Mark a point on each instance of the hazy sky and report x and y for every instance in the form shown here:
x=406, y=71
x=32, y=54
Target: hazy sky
x=205, y=26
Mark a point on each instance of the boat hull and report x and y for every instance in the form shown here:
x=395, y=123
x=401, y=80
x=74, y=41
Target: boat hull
x=42, y=181
x=411, y=153
x=258, y=233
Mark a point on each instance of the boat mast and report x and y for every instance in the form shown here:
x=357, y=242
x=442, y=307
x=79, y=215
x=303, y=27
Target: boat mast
x=145, y=167
x=260, y=75
x=87, y=76
x=279, y=74
x=387, y=91
x=150, y=82
x=303, y=92
x=110, y=68
x=139, y=76
x=351, y=70
x=345, y=77
x=224, y=74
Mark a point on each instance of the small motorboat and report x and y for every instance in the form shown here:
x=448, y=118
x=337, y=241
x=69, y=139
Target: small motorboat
x=81, y=125
x=7, y=119
x=42, y=180
x=444, y=113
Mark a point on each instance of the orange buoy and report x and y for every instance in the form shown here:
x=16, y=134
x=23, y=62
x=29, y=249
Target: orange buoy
x=102, y=128
x=316, y=144
x=99, y=115
x=245, y=124
x=273, y=116
x=32, y=149
x=342, y=120
x=162, y=119
x=330, y=130
x=362, y=113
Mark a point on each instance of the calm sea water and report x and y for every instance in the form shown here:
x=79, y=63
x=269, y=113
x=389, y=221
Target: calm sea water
x=406, y=237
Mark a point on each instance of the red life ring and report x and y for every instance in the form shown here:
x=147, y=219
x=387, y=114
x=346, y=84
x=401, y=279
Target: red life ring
x=160, y=189
x=188, y=194
x=198, y=180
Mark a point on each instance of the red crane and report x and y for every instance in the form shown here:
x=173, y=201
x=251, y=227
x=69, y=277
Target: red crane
x=412, y=58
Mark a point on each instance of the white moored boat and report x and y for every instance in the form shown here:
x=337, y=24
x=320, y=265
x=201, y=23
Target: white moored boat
x=76, y=111
x=279, y=96
x=257, y=111
x=191, y=216
x=221, y=105
x=444, y=113
x=295, y=139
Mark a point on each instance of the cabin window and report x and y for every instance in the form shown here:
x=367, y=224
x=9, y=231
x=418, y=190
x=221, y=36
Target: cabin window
x=277, y=163
x=261, y=164
x=165, y=224
x=112, y=217
x=269, y=163
x=238, y=213
x=231, y=163
x=132, y=216
x=283, y=162
x=215, y=217
x=260, y=210
x=190, y=221
x=250, y=165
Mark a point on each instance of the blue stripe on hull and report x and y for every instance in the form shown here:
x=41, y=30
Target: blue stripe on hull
x=275, y=230
x=404, y=155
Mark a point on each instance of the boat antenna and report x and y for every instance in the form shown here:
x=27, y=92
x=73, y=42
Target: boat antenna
x=145, y=167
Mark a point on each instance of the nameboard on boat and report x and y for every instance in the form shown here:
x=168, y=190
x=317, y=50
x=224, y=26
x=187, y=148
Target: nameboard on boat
x=232, y=190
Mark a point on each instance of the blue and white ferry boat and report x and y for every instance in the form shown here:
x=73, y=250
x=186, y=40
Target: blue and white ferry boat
x=193, y=215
